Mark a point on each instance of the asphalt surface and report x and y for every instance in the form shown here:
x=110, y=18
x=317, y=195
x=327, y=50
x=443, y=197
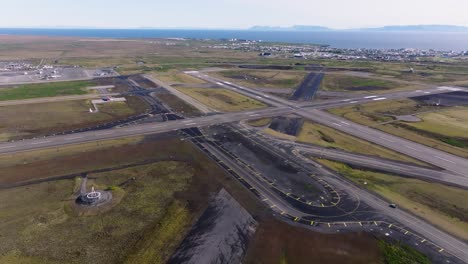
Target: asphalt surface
x=385, y=165
x=309, y=87
x=55, y=99
x=142, y=129
x=309, y=111
x=418, y=151
x=355, y=207
x=349, y=193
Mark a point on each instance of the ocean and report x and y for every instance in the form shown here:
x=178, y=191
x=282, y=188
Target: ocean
x=338, y=39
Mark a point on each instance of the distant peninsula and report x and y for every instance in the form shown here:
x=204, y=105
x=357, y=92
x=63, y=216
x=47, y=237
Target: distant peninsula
x=400, y=28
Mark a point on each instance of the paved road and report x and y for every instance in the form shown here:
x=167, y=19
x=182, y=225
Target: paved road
x=443, y=240
x=386, y=165
x=54, y=99
x=427, y=154
x=308, y=111
x=201, y=107
x=143, y=129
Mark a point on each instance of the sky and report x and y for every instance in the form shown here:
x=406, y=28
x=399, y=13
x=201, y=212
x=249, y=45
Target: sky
x=340, y=14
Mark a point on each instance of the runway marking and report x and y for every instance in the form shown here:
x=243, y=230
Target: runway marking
x=72, y=138
x=273, y=206
x=379, y=99
x=190, y=124
x=345, y=224
x=360, y=223
x=328, y=225
x=353, y=102
x=283, y=213
x=441, y=250
x=424, y=240
x=135, y=129
x=375, y=223
x=371, y=96
x=7, y=147
x=390, y=225
x=346, y=100
x=266, y=199
x=412, y=148
x=343, y=122
x=337, y=124
x=42, y=142
x=105, y=133
x=406, y=232
x=386, y=139
x=444, y=159
x=254, y=115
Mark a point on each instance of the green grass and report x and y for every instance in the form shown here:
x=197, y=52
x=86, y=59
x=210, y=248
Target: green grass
x=335, y=82
x=263, y=78
x=316, y=134
x=170, y=230
x=259, y=122
x=30, y=91
x=401, y=254
x=222, y=99
x=441, y=205
x=445, y=129
x=44, y=214
x=18, y=121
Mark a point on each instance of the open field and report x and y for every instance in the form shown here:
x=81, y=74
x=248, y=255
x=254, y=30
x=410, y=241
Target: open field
x=259, y=122
x=327, y=137
x=263, y=79
x=159, y=202
x=45, y=90
x=222, y=99
x=438, y=204
x=278, y=242
x=442, y=128
x=47, y=118
x=175, y=76
x=176, y=104
x=346, y=83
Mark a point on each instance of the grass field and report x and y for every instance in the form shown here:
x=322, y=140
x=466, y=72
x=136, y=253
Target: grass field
x=451, y=123
x=344, y=83
x=222, y=99
x=444, y=129
x=438, y=204
x=327, y=137
x=401, y=254
x=153, y=215
x=45, y=118
x=52, y=89
x=259, y=122
x=263, y=78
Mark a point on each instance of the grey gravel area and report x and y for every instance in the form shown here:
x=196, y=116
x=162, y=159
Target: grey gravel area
x=221, y=235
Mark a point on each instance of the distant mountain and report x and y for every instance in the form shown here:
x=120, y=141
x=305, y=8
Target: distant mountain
x=421, y=28
x=293, y=28
x=403, y=28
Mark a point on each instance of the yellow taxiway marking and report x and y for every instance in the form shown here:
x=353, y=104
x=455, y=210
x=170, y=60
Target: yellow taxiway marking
x=273, y=206
x=390, y=225
x=298, y=198
x=328, y=224
x=424, y=240
x=283, y=213
x=344, y=224
x=323, y=205
x=252, y=188
x=309, y=203
x=360, y=223
x=406, y=232
x=288, y=194
x=296, y=219
x=375, y=223
x=266, y=199
x=441, y=250
x=311, y=222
